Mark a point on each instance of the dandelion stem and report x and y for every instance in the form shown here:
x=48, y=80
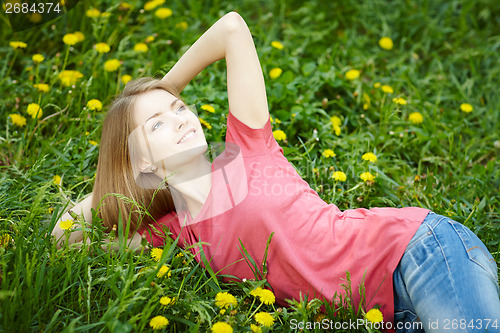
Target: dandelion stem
x=250, y=308
x=65, y=59
x=4, y=77
x=253, y=313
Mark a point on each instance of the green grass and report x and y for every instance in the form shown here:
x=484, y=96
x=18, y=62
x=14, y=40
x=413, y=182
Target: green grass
x=445, y=54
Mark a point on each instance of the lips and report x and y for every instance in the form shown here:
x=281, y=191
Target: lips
x=189, y=134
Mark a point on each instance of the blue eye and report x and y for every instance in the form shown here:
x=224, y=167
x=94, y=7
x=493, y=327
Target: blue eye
x=156, y=125
x=182, y=108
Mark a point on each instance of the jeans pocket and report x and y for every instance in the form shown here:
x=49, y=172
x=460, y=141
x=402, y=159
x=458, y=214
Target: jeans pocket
x=476, y=250
x=404, y=320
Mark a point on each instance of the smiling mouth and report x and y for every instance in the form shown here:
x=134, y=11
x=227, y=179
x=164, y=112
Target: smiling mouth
x=187, y=136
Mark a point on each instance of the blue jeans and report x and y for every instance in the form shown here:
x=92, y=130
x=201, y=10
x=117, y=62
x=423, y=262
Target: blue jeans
x=446, y=281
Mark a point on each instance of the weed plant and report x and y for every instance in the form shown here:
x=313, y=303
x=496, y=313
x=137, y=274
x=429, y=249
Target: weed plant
x=425, y=103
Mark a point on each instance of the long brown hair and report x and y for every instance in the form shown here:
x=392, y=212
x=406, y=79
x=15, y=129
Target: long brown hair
x=115, y=186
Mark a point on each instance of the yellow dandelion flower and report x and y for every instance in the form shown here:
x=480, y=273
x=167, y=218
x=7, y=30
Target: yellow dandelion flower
x=34, y=110
x=156, y=253
x=352, y=74
x=42, y=87
x=328, y=153
x=165, y=300
x=275, y=73
x=35, y=17
x=18, y=45
x=106, y=14
x=56, y=180
x=94, y=104
x=158, y=323
x=274, y=120
x=337, y=130
x=141, y=47
x=208, y=108
x=66, y=225
x=149, y=39
x=277, y=45
x=267, y=297
x=205, y=123
x=376, y=85
x=164, y=270
x=386, y=43
x=70, y=39
x=335, y=121
x=69, y=77
x=17, y=119
x=112, y=65
x=368, y=101
x=79, y=35
x=150, y=5
x=102, y=47
x=255, y=328
x=466, y=107
x=37, y=58
x=416, y=117
x=399, y=100
x=93, y=143
x=374, y=316
x=4, y=240
x=225, y=300
x=256, y=292
x=279, y=135
x=264, y=319
x=387, y=89
x=163, y=13
x=125, y=6
x=369, y=157
x=339, y=176
x=126, y=78
x=221, y=327
x=93, y=13
x=182, y=25
x=366, y=176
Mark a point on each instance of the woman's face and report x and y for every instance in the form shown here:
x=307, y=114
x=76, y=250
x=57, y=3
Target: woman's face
x=168, y=135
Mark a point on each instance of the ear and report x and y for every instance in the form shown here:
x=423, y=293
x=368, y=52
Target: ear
x=145, y=166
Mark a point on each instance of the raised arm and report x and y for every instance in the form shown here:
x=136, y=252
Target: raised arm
x=228, y=38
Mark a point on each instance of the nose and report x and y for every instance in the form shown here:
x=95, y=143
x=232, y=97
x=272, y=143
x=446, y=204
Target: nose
x=180, y=122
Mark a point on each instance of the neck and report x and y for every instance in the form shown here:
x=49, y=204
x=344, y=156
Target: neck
x=193, y=183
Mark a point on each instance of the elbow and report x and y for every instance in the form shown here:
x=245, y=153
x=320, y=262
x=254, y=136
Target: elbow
x=57, y=234
x=234, y=23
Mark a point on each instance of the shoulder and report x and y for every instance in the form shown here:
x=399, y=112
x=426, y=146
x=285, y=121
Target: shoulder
x=252, y=140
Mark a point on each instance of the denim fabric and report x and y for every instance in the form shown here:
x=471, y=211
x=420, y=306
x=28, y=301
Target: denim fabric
x=446, y=281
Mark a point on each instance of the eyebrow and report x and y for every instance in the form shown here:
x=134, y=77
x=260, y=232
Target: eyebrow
x=158, y=113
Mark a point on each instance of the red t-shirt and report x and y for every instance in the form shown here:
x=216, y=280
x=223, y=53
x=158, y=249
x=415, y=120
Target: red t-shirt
x=256, y=191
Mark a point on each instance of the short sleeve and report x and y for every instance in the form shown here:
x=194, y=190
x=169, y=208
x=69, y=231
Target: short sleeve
x=252, y=141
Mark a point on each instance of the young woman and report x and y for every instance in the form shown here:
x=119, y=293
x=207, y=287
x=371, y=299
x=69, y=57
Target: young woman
x=416, y=265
